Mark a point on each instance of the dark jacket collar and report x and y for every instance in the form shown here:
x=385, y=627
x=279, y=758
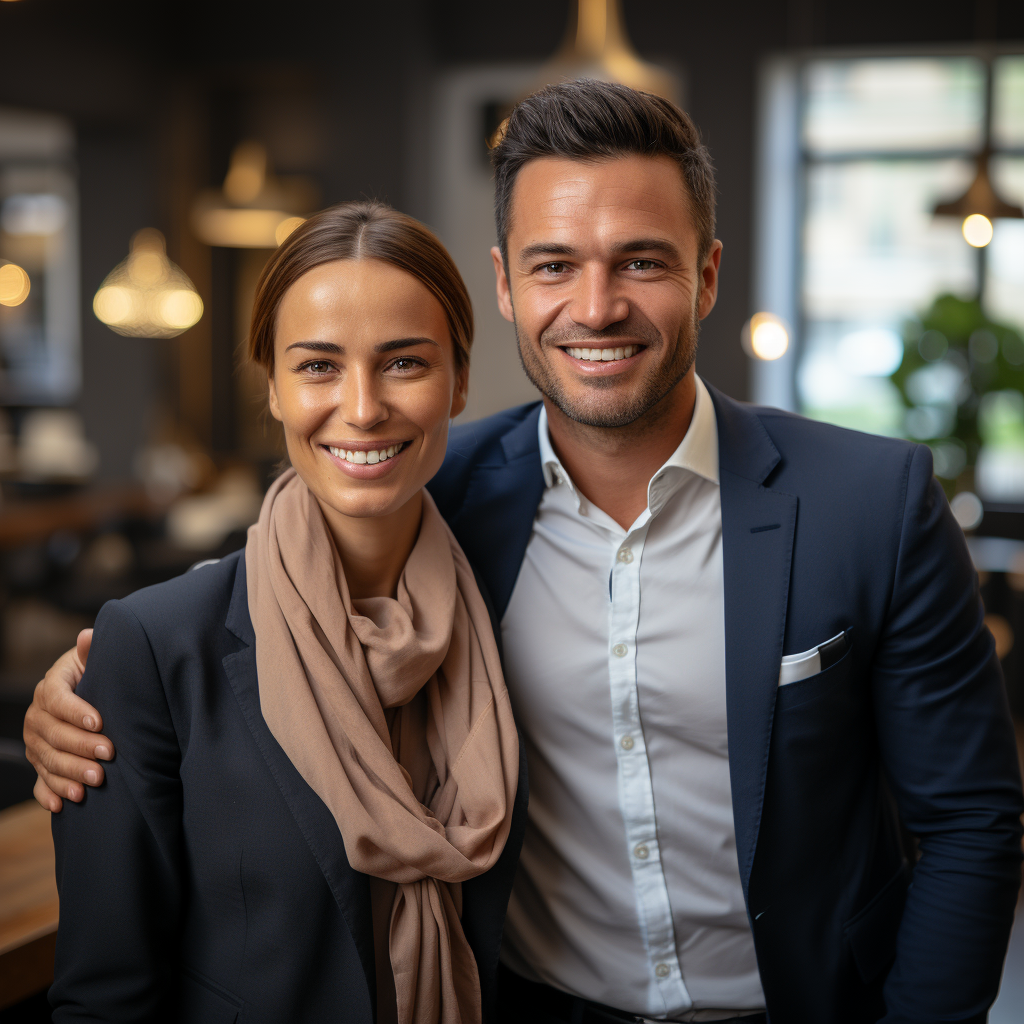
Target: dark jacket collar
x=744, y=447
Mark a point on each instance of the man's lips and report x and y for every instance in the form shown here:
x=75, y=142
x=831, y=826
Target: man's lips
x=607, y=358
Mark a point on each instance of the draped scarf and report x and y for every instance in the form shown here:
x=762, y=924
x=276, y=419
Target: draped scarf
x=395, y=712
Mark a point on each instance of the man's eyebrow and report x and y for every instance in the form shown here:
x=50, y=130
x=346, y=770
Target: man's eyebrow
x=538, y=249
x=662, y=245
x=384, y=346
x=633, y=245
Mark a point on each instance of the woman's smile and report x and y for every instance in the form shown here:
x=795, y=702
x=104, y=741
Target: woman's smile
x=366, y=460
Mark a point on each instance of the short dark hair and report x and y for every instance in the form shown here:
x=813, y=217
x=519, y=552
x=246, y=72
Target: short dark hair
x=353, y=231
x=588, y=119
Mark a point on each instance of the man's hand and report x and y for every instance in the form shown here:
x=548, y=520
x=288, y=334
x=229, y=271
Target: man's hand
x=62, y=732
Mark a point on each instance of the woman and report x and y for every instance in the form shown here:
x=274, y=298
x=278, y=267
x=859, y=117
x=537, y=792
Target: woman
x=313, y=810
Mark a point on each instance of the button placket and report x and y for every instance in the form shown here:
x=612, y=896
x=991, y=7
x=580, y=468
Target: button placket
x=636, y=795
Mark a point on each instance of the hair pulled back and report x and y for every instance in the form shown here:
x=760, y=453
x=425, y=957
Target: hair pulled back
x=354, y=231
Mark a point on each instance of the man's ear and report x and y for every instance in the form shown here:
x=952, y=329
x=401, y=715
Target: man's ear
x=275, y=409
x=709, y=280
x=461, y=390
x=504, y=295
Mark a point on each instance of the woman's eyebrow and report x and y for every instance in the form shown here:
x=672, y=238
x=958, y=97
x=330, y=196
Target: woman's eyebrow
x=384, y=346
x=390, y=346
x=317, y=346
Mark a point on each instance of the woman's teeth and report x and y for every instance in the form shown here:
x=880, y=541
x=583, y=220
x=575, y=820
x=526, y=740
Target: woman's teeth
x=604, y=355
x=361, y=458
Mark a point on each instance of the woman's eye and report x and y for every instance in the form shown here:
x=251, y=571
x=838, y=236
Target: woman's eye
x=318, y=366
x=406, y=363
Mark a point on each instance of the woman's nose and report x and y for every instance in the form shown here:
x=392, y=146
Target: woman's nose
x=362, y=402
x=597, y=303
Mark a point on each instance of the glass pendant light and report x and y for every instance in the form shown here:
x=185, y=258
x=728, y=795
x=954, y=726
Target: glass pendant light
x=146, y=295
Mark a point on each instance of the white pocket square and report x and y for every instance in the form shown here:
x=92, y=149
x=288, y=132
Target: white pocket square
x=809, y=663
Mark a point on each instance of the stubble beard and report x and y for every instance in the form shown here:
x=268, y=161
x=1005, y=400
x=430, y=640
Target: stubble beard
x=604, y=408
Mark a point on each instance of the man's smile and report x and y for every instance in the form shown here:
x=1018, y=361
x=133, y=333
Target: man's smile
x=607, y=359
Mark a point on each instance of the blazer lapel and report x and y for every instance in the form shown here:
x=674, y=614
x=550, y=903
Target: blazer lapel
x=350, y=888
x=495, y=520
x=757, y=547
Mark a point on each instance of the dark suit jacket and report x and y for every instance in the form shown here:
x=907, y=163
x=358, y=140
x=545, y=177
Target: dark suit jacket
x=205, y=881
x=826, y=530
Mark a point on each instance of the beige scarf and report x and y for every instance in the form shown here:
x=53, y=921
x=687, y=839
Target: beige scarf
x=396, y=714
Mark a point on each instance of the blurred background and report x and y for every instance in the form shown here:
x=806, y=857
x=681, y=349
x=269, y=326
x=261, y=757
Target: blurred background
x=870, y=161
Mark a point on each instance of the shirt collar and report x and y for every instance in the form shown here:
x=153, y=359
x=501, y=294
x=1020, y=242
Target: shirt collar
x=697, y=453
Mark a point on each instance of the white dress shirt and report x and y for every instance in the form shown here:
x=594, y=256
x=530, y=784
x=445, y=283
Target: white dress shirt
x=628, y=891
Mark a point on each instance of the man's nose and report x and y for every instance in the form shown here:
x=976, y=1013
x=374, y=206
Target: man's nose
x=597, y=302
x=362, y=402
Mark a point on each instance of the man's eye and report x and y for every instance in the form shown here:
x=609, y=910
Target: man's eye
x=641, y=264
x=554, y=268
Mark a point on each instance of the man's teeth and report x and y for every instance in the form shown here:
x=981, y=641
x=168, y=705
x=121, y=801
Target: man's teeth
x=604, y=355
x=361, y=458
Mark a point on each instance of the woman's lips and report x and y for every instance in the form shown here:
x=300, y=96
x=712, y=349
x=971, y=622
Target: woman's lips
x=366, y=463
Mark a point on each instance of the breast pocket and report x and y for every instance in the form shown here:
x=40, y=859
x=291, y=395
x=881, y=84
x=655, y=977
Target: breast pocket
x=821, y=685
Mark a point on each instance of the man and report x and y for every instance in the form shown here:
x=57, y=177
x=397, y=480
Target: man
x=734, y=638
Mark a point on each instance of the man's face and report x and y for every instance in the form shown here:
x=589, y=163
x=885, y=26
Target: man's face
x=603, y=284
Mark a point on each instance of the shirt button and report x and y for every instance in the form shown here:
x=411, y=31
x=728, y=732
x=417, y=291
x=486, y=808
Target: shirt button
x=641, y=852
x=626, y=742
x=620, y=650
x=662, y=970
x=625, y=556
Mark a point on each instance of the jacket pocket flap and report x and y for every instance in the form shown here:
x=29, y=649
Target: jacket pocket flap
x=871, y=932
x=201, y=999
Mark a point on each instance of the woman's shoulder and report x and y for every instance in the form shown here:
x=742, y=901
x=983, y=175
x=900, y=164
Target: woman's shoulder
x=192, y=603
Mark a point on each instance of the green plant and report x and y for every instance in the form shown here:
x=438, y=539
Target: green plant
x=962, y=381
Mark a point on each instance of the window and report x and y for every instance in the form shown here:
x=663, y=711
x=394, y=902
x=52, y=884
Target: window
x=39, y=266
x=877, y=142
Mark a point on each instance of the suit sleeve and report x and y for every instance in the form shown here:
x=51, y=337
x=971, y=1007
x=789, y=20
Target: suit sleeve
x=948, y=749
x=119, y=853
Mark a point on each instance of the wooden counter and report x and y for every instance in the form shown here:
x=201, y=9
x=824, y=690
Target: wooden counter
x=28, y=902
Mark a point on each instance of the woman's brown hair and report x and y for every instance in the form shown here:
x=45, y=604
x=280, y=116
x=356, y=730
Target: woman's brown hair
x=353, y=231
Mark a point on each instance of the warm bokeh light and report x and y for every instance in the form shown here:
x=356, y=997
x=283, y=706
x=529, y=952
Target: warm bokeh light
x=14, y=284
x=247, y=173
x=242, y=228
x=286, y=227
x=255, y=209
x=765, y=336
x=977, y=229
x=1002, y=633
x=113, y=305
x=180, y=308
x=146, y=295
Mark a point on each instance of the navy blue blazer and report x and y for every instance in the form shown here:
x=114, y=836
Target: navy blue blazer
x=205, y=882
x=826, y=530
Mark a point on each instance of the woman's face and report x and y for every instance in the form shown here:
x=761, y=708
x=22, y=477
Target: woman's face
x=364, y=383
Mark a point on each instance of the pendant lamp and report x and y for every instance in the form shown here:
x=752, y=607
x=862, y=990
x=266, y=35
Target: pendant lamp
x=146, y=295
x=980, y=204
x=254, y=209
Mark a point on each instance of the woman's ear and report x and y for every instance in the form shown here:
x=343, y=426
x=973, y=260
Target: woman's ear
x=461, y=389
x=275, y=409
